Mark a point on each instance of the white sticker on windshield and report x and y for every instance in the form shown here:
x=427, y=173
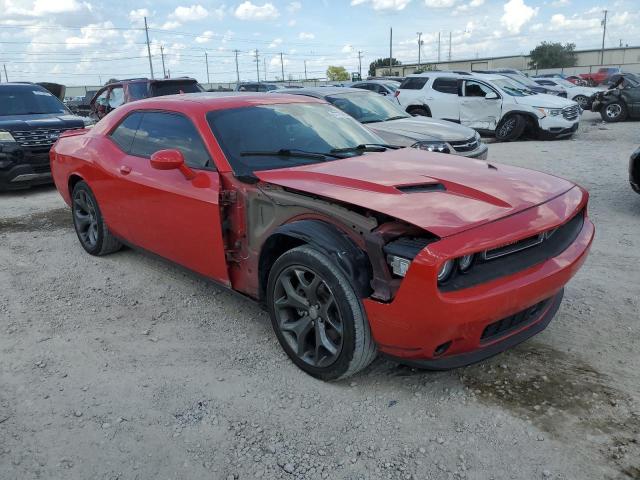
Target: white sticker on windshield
x=40, y=92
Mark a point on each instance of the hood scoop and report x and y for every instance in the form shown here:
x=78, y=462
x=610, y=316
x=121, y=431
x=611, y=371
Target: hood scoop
x=422, y=188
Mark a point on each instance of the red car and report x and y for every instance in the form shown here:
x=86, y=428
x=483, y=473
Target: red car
x=354, y=247
x=599, y=77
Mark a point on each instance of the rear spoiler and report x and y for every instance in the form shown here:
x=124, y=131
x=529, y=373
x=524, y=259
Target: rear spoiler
x=75, y=132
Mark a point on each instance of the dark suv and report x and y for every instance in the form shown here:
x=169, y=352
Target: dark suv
x=31, y=119
x=620, y=102
x=118, y=93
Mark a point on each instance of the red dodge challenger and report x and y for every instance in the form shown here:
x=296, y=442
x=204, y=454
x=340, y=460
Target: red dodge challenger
x=354, y=247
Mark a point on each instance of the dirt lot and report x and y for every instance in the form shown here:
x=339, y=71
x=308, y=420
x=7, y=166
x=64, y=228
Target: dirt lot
x=126, y=367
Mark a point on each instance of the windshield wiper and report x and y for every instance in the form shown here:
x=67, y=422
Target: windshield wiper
x=366, y=147
x=288, y=152
x=397, y=117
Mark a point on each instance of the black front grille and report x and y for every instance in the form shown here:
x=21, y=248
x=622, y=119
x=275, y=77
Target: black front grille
x=507, y=325
x=41, y=137
x=465, y=145
x=486, y=269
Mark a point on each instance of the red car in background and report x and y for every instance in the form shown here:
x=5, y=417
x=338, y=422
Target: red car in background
x=353, y=246
x=599, y=77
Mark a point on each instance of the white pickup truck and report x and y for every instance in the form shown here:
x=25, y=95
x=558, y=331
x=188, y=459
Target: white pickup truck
x=489, y=103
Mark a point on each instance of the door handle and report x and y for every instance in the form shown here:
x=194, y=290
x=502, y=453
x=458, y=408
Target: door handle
x=125, y=169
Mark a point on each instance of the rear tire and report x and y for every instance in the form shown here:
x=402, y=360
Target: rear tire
x=90, y=226
x=614, y=111
x=419, y=111
x=510, y=128
x=317, y=316
x=582, y=101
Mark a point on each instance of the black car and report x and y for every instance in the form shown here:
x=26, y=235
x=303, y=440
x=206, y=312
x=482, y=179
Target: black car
x=256, y=87
x=620, y=102
x=31, y=119
x=634, y=170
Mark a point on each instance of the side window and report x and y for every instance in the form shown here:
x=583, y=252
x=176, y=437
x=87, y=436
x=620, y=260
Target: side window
x=125, y=132
x=102, y=98
x=475, y=89
x=161, y=131
x=446, y=85
x=116, y=97
x=545, y=82
x=414, y=83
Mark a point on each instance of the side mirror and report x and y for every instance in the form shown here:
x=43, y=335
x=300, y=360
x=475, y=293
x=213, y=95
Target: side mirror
x=491, y=96
x=171, y=160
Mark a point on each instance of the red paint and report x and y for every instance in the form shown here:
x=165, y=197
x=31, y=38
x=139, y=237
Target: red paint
x=175, y=211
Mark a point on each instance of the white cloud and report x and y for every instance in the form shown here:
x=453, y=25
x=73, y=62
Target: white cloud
x=293, y=7
x=205, y=37
x=170, y=25
x=292, y=23
x=476, y=3
x=560, y=3
x=306, y=36
x=189, y=14
x=516, y=15
x=347, y=49
x=275, y=43
x=139, y=14
x=383, y=4
x=468, y=6
x=560, y=22
x=40, y=8
x=92, y=34
x=249, y=11
x=440, y=3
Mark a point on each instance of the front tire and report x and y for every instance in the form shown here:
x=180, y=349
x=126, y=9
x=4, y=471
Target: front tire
x=419, y=111
x=510, y=128
x=614, y=111
x=581, y=100
x=92, y=231
x=317, y=316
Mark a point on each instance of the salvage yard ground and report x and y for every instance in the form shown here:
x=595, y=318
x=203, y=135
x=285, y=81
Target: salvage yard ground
x=127, y=367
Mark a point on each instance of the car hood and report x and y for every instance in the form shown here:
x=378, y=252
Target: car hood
x=43, y=120
x=414, y=129
x=544, y=100
x=450, y=193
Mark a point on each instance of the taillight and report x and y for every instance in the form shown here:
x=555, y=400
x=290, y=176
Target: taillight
x=397, y=94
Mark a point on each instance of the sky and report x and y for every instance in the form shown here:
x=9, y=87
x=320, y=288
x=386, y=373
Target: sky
x=77, y=42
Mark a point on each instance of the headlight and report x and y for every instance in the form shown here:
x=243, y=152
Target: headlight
x=429, y=146
x=6, y=136
x=464, y=263
x=88, y=123
x=445, y=271
x=551, y=112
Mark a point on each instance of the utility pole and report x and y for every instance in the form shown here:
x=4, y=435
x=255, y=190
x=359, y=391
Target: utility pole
x=419, y=48
x=390, y=48
x=264, y=66
x=6, y=77
x=282, y=66
x=206, y=61
x=305, y=70
x=359, y=65
x=146, y=31
x=604, y=32
x=449, y=46
x=438, y=46
x=164, y=72
x=237, y=71
x=257, y=65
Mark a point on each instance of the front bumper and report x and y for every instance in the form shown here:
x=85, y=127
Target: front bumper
x=481, y=153
x=554, y=127
x=426, y=326
x=21, y=167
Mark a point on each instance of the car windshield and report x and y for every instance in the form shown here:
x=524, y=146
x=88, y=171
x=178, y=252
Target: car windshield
x=564, y=83
x=512, y=88
x=315, y=128
x=160, y=89
x=28, y=100
x=367, y=107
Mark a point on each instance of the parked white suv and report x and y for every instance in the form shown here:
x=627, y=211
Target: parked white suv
x=488, y=103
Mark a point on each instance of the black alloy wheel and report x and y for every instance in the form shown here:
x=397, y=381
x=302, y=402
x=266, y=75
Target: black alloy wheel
x=510, y=128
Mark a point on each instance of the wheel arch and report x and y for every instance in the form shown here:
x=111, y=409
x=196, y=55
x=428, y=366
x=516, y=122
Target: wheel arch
x=416, y=106
x=530, y=117
x=327, y=238
x=73, y=180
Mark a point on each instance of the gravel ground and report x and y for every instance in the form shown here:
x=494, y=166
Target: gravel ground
x=127, y=367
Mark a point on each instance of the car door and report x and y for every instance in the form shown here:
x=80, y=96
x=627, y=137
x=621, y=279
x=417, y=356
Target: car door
x=480, y=105
x=444, y=100
x=164, y=212
x=632, y=95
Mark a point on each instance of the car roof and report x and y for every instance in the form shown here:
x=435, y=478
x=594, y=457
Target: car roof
x=23, y=85
x=216, y=100
x=489, y=76
x=322, y=92
x=377, y=80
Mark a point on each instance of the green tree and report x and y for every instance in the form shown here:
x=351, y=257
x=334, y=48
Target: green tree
x=337, y=74
x=553, y=55
x=381, y=63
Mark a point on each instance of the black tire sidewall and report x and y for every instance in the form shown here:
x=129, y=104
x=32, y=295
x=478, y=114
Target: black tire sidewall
x=98, y=247
x=515, y=133
x=420, y=111
x=620, y=117
x=348, y=310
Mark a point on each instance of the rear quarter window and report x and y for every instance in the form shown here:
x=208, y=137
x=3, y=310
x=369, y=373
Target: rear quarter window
x=125, y=132
x=414, y=83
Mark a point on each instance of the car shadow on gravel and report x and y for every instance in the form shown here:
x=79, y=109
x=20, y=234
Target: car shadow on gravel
x=49, y=220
